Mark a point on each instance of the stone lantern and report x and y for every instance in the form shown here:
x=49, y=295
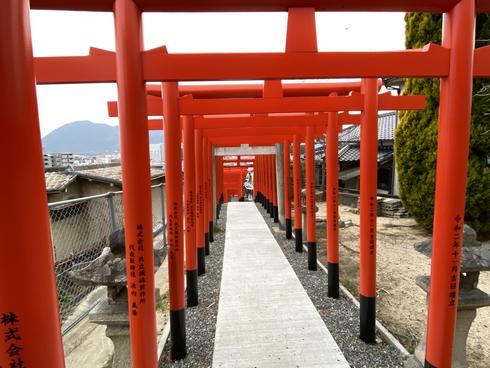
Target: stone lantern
x=109, y=269
x=474, y=259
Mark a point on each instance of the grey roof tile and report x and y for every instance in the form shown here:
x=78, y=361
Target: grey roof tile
x=112, y=174
x=57, y=181
x=352, y=152
x=386, y=129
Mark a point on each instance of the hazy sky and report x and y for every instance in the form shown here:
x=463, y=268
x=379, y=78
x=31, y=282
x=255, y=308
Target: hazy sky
x=72, y=33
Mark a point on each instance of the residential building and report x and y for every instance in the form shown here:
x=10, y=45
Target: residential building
x=350, y=155
x=157, y=154
x=57, y=159
x=89, y=180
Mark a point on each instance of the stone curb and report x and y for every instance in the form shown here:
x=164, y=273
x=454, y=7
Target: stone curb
x=383, y=331
x=166, y=333
x=385, y=334
x=163, y=339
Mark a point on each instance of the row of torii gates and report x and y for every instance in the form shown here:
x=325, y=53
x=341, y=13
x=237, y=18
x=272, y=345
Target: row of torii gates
x=222, y=116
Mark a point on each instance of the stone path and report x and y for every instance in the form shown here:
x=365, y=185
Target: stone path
x=265, y=317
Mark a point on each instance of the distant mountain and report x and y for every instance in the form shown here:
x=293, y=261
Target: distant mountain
x=88, y=137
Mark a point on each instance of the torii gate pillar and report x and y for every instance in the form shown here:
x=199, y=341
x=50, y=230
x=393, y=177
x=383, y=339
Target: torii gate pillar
x=136, y=180
x=280, y=183
x=298, y=227
x=451, y=172
x=200, y=241
x=333, y=205
x=287, y=188
x=27, y=283
x=368, y=199
x=310, y=199
x=214, y=182
x=191, y=271
x=175, y=233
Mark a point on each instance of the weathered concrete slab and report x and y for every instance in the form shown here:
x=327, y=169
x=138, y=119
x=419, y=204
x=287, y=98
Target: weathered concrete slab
x=265, y=317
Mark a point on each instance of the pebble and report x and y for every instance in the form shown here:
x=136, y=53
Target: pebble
x=201, y=320
x=340, y=316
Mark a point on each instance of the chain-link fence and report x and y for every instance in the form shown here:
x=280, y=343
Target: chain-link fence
x=80, y=229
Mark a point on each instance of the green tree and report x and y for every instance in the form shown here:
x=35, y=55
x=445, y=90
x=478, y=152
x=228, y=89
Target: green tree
x=416, y=135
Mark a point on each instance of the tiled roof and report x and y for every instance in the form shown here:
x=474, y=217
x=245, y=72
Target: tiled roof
x=349, y=153
x=352, y=152
x=112, y=174
x=386, y=129
x=57, y=181
x=350, y=134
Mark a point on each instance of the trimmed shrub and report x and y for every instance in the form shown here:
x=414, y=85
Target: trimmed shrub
x=416, y=135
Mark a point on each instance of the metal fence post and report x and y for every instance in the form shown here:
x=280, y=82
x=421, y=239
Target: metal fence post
x=112, y=213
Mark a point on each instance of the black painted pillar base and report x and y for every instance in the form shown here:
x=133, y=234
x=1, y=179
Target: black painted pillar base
x=276, y=214
x=289, y=229
x=333, y=280
x=267, y=206
x=312, y=266
x=298, y=235
x=201, y=261
x=428, y=365
x=178, y=348
x=271, y=209
x=368, y=319
x=206, y=243
x=191, y=290
x=211, y=231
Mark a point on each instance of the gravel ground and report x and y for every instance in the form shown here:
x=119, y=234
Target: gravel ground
x=201, y=320
x=340, y=316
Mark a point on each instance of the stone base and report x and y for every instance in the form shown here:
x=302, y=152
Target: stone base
x=114, y=314
x=412, y=362
x=122, y=347
x=464, y=319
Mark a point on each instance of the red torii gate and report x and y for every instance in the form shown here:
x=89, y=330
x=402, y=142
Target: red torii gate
x=368, y=260
x=233, y=177
x=275, y=121
x=239, y=160
x=368, y=263
x=19, y=114
x=155, y=124
x=175, y=284
x=244, y=105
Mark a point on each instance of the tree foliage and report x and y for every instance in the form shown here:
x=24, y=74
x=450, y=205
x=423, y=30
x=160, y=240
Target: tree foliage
x=416, y=135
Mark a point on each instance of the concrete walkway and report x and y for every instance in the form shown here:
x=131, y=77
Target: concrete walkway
x=265, y=317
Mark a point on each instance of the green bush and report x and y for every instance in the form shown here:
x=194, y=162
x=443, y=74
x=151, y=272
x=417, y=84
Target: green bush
x=416, y=135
